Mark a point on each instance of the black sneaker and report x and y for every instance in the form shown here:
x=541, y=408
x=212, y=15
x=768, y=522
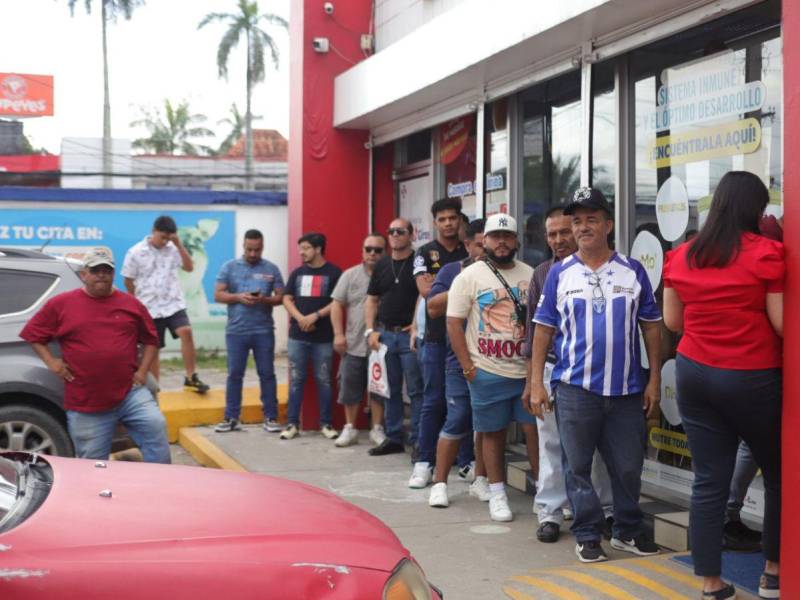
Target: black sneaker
x=738, y=537
x=193, y=384
x=589, y=552
x=726, y=593
x=548, y=532
x=228, y=425
x=606, y=527
x=769, y=586
x=640, y=545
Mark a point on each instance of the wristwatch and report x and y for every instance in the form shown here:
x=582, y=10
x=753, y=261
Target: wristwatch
x=368, y=332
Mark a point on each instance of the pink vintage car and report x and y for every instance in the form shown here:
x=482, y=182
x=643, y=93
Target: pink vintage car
x=72, y=528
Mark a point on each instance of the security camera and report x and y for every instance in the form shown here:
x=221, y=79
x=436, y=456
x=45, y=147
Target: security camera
x=320, y=45
x=328, y=8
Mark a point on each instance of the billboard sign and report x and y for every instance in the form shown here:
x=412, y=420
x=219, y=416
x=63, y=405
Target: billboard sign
x=24, y=95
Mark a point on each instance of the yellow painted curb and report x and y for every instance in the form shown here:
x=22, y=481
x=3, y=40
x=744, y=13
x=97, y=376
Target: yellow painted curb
x=190, y=409
x=206, y=452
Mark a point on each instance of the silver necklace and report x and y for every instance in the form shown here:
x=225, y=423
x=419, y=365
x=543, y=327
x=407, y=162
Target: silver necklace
x=397, y=275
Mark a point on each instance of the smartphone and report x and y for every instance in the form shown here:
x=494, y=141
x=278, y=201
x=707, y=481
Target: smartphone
x=256, y=293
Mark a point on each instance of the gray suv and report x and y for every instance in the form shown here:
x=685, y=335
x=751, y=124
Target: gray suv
x=32, y=416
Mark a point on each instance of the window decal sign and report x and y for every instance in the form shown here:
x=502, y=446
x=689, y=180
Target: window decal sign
x=730, y=139
x=672, y=209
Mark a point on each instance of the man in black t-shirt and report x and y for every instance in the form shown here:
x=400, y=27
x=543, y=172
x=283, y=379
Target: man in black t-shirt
x=388, y=314
x=446, y=248
x=307, y=299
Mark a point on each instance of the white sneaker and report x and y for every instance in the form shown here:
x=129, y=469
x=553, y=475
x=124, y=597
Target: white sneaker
x=420, y=476
x=498, y=508
x=480, y=489
x=348, y=437
x=568, y=516
x=377, y=435
x=329, y=432
x=289, y=433
x=438, y=497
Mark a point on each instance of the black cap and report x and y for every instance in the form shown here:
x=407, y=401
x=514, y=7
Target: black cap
x=591, y=198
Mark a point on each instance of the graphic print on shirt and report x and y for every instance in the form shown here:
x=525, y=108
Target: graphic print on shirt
x=500, y=332
x=312, y=286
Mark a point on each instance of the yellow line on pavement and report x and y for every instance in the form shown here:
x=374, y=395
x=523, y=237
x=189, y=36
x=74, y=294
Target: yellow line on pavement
x=549, y=587
x=516, y=594
x=593, y=582
x=641, y=580
x=692, y=582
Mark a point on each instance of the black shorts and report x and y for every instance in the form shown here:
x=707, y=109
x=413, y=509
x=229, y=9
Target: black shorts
x=173, y=323
x=352, y=379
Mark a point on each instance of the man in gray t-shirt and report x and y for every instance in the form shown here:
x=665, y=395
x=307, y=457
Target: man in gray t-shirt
x=348, y=298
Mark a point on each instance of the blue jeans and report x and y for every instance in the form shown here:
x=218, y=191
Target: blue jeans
x=239, y=347
x=615, y=425
x=321, y=356
x=401, y=362
x=93, y=433
x=434, y=405
x=416, y=406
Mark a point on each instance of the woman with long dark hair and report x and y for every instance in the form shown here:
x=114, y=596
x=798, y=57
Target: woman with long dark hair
x=724, y=291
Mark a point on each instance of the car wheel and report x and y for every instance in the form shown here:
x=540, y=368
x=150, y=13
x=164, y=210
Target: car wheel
x=26, y=429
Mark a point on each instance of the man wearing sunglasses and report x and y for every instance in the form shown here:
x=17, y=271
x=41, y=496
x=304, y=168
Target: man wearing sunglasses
x=592, y=305
x=98, y=330
x=388, y=315
x=349, y=296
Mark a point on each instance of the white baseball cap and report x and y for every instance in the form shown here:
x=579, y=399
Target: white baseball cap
x=500, y=222
x=98, y=256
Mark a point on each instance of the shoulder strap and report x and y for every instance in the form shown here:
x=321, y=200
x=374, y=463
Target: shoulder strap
x=502, y=280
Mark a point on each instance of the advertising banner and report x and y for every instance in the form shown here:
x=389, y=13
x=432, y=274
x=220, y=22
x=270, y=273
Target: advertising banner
x=207, y=235
x=26, y=95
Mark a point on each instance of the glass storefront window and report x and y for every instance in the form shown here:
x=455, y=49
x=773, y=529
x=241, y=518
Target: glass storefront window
x=496, y=157
x=456, y=158
x=711, y=107
x=551, y=134
x=604, y=131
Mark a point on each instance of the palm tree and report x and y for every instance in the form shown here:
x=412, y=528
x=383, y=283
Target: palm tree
x=171, y=133
x=109, y=9
x=247, y=21
x=237, y=124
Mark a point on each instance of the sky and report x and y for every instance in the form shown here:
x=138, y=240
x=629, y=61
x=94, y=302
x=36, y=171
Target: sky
x=159, y=54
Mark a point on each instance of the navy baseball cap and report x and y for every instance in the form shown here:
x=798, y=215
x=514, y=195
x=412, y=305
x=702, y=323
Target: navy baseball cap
x=591, y=198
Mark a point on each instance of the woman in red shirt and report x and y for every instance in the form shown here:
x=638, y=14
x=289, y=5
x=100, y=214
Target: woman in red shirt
x=724, y=291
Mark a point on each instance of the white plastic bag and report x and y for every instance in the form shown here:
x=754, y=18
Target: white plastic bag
x=378, y=378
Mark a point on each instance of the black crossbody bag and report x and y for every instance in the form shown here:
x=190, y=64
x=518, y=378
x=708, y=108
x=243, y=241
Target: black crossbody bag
x=522, y=312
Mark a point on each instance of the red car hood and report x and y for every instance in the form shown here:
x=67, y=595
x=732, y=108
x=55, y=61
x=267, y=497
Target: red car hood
x=190, y=516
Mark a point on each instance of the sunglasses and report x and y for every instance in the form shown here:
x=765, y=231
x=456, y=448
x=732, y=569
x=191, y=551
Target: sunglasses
x=100, y=269
x=398, y=231
x=373, y=249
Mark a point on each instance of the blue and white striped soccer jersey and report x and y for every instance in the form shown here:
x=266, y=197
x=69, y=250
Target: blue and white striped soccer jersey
x=595, y=315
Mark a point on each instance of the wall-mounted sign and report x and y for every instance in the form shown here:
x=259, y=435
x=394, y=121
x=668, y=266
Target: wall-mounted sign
x=672, y=209
x=648, y=251
x=453, y=137
x=26, y=95
x=494, y=182
x=738, y=137
x=462, y=188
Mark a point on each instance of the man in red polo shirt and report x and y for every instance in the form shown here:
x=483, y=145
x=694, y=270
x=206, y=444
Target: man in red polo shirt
x=98, y=329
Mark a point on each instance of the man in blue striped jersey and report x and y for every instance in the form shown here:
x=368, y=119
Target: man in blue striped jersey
x=590, y=308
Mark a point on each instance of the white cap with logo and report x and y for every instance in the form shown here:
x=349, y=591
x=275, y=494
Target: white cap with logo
x=98, y=256
x=500, y=222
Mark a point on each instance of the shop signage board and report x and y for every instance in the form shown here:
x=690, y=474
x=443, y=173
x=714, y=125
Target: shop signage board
x=208, y=235
x=453, y=137
x=672, y=208
x=24, y=95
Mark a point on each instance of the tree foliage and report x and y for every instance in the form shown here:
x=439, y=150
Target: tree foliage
x=173, y=131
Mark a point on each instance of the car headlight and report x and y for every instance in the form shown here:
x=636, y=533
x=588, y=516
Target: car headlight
x=407, y=582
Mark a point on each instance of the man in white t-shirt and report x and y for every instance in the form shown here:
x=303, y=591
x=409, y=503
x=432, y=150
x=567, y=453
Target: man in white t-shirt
x=150, y=272
x=490, y=295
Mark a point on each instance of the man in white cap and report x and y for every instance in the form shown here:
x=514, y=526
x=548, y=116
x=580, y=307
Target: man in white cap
x=98, y=329
x=490, y=296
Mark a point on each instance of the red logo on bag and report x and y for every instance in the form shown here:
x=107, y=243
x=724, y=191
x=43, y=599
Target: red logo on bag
x=376, y=372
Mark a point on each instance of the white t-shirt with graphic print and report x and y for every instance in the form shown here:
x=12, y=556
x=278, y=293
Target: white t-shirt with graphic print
x=155, y=275
x=495, y=335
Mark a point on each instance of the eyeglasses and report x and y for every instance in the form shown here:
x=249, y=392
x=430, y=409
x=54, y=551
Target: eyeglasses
x=373, y=249
x=598, y=297
x=398, y=231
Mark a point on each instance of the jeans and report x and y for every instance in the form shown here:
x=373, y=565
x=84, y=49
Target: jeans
x=401, y=362
x=93, y=433
x=551, y=492
x=239, y=347
x=416, y=405
x=434, y=405
x=718, y=407
x=321, y=356
x=614, y=425
x=743, y=474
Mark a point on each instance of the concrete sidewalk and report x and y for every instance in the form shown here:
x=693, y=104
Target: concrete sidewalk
x=461, y=550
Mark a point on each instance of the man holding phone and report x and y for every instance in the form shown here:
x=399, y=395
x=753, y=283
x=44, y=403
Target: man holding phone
x=250, y=286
